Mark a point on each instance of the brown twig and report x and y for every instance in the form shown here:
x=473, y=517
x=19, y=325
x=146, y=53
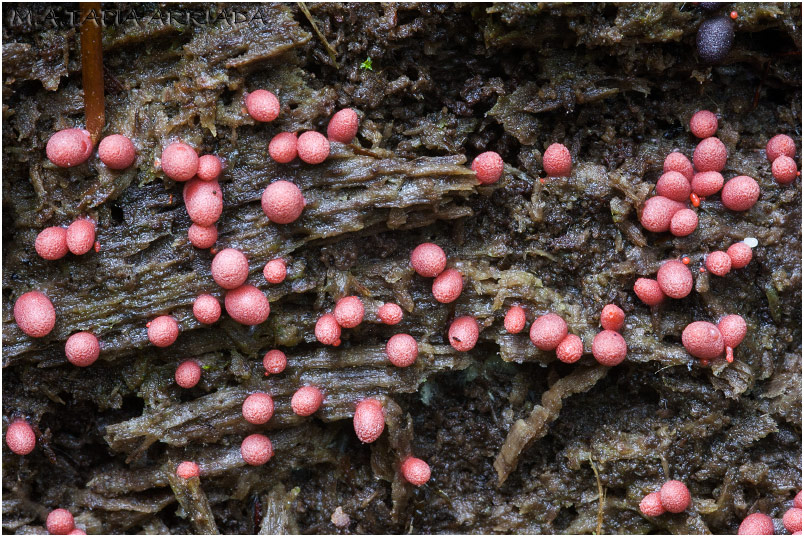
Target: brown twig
x=601, y=498
x=330, y=51
x=92, y=68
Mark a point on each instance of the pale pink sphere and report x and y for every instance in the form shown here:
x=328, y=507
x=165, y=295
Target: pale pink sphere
x=740, y=193
x=34, y=314
x=402, y=350
x=390, y=313
x=657, y=213
x=703, y=124
x=710, y=155
x=718, y=263
x=756, y=524
x=117, y=152
x=733, y=330
x=207, y=309
x=784, y=170
x=275, y=271
x=792, y=519
x=707, y=183
x=81, y=236
x=415, y=471
x=69, y=147
x=447, y=286
x=651, y=505
x=683, y=223
x=247, y=305
x=515, y=320
x=557, y=161
x=675, y=279
x=60, y=522
x=209, y=168
x=230, y=268
x=703, y=340
x=675, y=496
x=258, y=408
x=202, y=237
x=674, y=186
x=343, y=126
x=20, y=437
x=306, y=401
x=609, y=348
x=428, y=260
x=188, y=374
x=283, y=147
x=612, y=317
x=274, y=362
x=570, y=349
x=282, y=202
x=188, y=470
x=488, y=167
x=51, y=243
x=548, y=331
x=369, y=421
x=740, y=254
x=797, y=500
x=327, y=330
x=256, y=449
x=648, y=291
x=313, y=147
x=179, y=161
x=349, y=311
x=677, y=162
x=262, y=105
x=204, y=201
x=82, y=349
x=463, y=333
x=779, y=145
x=77, y=531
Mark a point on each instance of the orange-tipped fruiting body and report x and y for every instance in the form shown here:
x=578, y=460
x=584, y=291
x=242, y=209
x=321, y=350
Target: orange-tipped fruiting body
x=648, y=291
x=258, y=408
x=188, y=374
x=609, y=348
x=51, y=243
x=390, y=313
x=282, y=202
x=548, y=331
x=515, y=320
x=415, y=471
x=60, y=522
x=306, y=401
x=557, y=161
x=447, y=286
x=188, y=470
x=69, y=147
x=247, y=305
x=369, y=421
x=275, y=271
x=703, y=340
x=651, y=505
x=343, y=126
x=179, y=161
x=488, y=167
x=675, y=279
x=349, y=311
x=428, y=260
x=34, y=314
x=703, y=124
x=81, y=236
x=327, y=330
x=274, y=362
x=207, y=309
x=740, y=193
x=463, y=333
x=20, y=437
x=402, y=350
x=117, y=152
x=283, y=147
x=570, y=349
x=262, y=105
x=612, y=317
x=82, y=349
x=230, y=268
x=256, y=449
x=163, y=331
x=313, y=147
x=675, y=496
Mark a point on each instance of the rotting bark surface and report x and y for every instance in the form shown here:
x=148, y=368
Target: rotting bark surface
x=615, y=83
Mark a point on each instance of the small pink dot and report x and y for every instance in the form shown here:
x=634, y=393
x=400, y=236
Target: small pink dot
x=188, y=374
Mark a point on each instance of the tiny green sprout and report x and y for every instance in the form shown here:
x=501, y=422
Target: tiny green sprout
x=367, y=64
x=206, y=367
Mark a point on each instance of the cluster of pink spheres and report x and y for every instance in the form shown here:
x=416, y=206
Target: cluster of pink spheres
x=762, y=524
x=283, y=202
